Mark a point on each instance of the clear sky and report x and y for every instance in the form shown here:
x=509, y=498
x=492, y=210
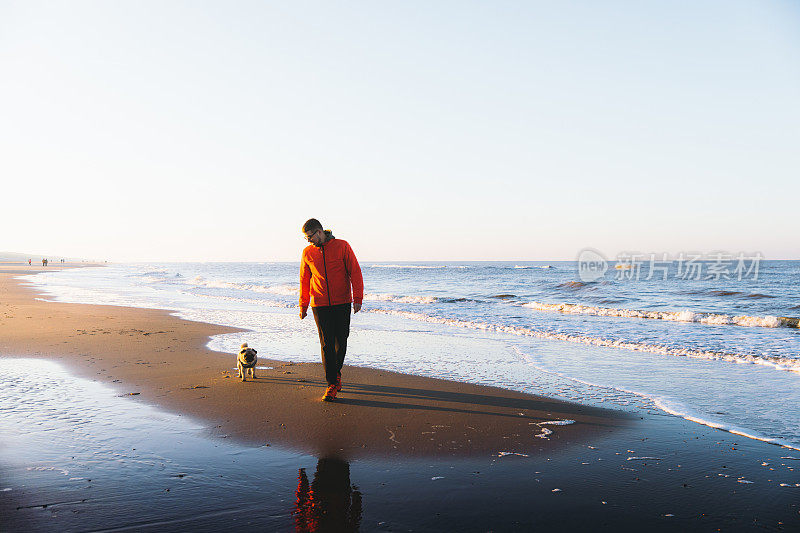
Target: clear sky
x=437, y=130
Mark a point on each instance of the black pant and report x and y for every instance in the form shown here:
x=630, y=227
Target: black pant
x=333, y=324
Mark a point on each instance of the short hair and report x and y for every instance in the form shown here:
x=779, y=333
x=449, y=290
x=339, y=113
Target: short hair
x=312, y=224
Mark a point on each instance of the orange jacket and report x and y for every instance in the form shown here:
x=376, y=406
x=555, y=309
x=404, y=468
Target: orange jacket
x=327, y=273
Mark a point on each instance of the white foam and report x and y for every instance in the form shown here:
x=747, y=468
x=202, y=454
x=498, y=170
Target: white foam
x=426, y=267
x=155, y=271
x=400, y=299
x=265, y=303
x=676, y=316
x=778, y=363
x=682, y=413
x=294, y=290
x=284, y=290
x=558, y=422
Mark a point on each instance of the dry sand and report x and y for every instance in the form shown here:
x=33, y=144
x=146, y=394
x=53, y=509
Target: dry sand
x=162, y=360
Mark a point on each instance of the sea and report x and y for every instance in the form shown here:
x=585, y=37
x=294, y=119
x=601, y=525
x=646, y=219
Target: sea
x=717, y=347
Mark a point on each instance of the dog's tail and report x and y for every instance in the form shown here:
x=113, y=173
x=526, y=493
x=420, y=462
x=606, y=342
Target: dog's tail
x=244, y=345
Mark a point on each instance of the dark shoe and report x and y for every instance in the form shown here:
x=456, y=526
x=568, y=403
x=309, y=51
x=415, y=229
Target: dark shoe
x=330, y=394
x=338, y=383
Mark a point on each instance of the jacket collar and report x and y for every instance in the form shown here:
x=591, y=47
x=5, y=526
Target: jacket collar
x=328, y=238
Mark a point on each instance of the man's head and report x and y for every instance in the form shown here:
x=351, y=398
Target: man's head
x=312, y=230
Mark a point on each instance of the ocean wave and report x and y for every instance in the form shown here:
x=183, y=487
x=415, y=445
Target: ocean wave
x=153, y=272
x=525, y=267
x=724, y=293
x=728, y=293
x=294, y=290
x=575, y=285
x=283, y=290
x=424, y=267
x=414, y=299
x=675, y=316
x=265, y=303
x=400, y=299
x=777, y=362
x=152, y=276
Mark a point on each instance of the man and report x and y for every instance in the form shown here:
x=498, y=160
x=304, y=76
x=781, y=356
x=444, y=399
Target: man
x=328, y=270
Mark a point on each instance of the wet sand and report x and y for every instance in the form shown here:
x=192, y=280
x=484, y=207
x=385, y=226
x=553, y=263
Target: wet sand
x=395, y=453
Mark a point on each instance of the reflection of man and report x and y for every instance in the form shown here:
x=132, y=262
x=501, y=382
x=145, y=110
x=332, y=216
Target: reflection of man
x=330, y=503
x=328, y=270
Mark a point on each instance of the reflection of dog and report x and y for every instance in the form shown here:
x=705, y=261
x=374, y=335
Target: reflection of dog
x=246, y=362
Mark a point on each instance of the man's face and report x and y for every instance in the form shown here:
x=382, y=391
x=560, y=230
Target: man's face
x=314, y=237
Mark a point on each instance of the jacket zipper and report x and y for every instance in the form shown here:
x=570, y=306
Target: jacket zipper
x=325, y=269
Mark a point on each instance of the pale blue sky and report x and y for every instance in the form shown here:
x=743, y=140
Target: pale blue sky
x=415, y=130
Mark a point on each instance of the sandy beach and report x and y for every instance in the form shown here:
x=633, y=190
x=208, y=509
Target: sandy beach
x=162, y=360
x=658, y=472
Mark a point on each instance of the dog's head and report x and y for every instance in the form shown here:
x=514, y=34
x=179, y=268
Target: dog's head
x=247, y=354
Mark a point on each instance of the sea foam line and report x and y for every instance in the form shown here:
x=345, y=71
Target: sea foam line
x=723, y=427
x=424, y=267
x=676, y=316
x=663, y=405
x=283, y=290
x=294, y=290
x=400, y=299
x=790, y=365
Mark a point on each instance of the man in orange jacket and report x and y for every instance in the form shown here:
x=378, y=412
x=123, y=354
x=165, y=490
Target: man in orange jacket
x=328, y=270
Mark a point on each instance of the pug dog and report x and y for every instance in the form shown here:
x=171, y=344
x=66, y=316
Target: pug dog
x=246, y=362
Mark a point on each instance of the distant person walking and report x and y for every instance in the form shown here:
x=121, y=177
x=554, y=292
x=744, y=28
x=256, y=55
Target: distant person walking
x=328, y=271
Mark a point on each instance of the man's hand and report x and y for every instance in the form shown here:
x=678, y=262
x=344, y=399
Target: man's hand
x=356, y=307
x=303, y=313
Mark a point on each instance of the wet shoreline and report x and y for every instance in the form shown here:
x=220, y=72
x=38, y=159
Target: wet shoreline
x=79, y=457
